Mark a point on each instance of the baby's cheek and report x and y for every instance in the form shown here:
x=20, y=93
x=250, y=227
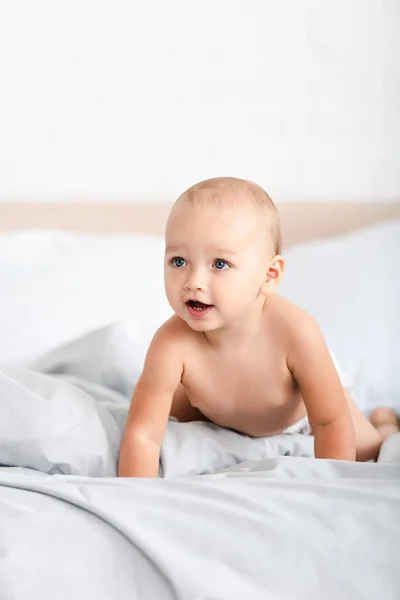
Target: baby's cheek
x=170, y=290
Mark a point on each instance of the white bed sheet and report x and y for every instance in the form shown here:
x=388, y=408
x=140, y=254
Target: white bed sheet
x=257, y=525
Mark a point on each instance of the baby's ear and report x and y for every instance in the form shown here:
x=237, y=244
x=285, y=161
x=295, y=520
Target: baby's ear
x=274, y=274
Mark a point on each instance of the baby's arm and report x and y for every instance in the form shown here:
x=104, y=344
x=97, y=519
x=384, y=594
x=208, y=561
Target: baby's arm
x=328, y=411
x=150, y=407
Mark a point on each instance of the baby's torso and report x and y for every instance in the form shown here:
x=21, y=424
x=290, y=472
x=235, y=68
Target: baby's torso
x=251, y=390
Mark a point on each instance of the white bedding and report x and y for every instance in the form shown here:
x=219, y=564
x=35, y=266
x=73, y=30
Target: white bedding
x=231, y=517
x=263, y=521
x=276, y=532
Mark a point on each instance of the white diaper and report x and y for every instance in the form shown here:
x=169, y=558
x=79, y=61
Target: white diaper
x=303, y=426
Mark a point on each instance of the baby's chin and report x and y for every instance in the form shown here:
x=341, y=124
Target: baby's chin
x=199, y=325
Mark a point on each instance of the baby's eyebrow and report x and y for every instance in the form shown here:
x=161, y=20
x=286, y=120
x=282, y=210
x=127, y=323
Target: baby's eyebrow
x=215, y=251
x=175, y=247
x=225, y=251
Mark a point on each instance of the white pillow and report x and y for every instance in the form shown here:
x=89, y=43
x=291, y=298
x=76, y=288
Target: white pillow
x=56, y=286
x=351, y=285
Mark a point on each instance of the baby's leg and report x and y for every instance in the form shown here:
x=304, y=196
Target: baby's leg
x=369, y=438
x=181, y=408
x=386, y=422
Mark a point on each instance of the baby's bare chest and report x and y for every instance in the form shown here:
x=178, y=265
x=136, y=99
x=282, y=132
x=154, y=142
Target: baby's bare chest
x=250, y=383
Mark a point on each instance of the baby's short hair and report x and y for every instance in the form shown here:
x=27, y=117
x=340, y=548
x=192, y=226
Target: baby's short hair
x=228, y=190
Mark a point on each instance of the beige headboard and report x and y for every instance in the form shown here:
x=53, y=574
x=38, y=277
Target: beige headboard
x=300, y=220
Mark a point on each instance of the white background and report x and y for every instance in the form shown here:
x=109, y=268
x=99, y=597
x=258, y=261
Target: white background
x=125, y=100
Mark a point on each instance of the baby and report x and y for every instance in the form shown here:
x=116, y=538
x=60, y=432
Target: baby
x=235, y=353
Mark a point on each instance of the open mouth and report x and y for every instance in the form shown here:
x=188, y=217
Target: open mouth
x=197, y=306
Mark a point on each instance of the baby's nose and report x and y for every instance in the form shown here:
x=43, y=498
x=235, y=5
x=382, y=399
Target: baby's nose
x=195, y=281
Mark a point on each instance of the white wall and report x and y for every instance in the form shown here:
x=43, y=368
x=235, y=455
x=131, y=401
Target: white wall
x=137, y=100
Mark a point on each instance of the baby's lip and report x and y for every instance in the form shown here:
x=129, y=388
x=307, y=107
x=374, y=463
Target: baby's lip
x=193, y=300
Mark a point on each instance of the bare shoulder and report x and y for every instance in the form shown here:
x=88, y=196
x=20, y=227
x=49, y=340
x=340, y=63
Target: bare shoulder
x=293, y=324
x=173, y=333
x=166, y=356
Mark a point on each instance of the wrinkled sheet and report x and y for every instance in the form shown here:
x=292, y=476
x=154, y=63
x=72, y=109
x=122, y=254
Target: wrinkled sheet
x=279, y=528
x=66, y=425
x=233, y=517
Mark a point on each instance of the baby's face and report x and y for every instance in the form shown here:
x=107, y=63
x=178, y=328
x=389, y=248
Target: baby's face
x=215, y=263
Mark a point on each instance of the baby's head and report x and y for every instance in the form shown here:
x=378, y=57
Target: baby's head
x=223, y=243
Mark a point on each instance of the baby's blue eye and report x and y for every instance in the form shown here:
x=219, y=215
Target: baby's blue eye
x=220, y=264
x=178, y=261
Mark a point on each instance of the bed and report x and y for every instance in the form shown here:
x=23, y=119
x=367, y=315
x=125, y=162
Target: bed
x=229, y=517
